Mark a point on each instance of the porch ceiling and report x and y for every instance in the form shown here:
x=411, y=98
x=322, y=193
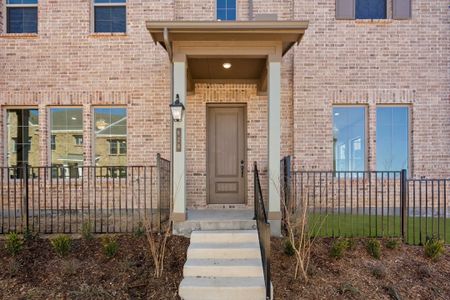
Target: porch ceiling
x=287, y=32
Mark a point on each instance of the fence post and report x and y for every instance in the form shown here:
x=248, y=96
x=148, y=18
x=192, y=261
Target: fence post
x=25, y=194
x=403, y=198
x=158, y=182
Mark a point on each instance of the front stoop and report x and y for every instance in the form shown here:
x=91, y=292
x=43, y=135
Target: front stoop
x=223, y=264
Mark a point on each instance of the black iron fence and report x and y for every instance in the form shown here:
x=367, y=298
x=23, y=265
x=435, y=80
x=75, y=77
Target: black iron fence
x=263, y=227
x=109, y=199
x=369, y=203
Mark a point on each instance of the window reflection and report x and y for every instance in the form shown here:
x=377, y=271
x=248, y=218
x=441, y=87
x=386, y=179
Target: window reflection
x=392, y=138
x=110, y=126
x=66, y=155
x=22, y=138
x=349, y=138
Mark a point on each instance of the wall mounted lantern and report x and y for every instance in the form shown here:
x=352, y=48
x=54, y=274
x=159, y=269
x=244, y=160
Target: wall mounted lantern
x=177, y=109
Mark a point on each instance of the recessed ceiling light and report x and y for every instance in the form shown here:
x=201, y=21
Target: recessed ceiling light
x=73, y=118
x=226, y=65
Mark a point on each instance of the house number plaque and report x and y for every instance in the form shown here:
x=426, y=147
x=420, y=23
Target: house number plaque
x=178, y=133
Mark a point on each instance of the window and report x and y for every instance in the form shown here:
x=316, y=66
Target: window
x=370, y=9
x=21, y=16
x=78, y=140
x=373, y=9
x=110, y=125
x=110, y=16
x=22, y=137
x=117, y=147
x=65, y=123
x=226, y=10
x=349, y=139
x=392, y=138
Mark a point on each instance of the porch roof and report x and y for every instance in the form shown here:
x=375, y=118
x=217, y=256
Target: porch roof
x=288, y=32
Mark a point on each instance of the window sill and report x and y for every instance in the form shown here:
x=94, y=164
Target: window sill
x=19, y=35
x=108, y=35
x=373, y=21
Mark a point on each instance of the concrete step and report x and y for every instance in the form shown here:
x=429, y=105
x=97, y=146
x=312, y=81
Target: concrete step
x=185, y=228
x=222, y=288
x=224, y=250
x=223, y=268
x=224, y=236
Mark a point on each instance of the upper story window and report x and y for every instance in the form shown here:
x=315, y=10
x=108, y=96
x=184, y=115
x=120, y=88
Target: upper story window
x=370, y=9
x=349, y=138
x=226, y=10
x=110, y=16
x=21, y=16
x=392, y=138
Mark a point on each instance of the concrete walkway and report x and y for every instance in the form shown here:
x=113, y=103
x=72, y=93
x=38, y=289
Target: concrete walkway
x=223, y=264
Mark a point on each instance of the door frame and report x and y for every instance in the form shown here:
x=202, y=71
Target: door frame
x=226, y=105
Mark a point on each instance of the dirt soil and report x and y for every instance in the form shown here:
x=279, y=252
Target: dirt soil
x=403, y=273
x=86, y=273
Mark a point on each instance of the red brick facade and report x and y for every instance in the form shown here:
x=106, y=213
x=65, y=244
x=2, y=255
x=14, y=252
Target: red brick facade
x=337, y=62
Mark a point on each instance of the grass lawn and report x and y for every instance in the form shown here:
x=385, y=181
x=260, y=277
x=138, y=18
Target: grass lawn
x=348, y=225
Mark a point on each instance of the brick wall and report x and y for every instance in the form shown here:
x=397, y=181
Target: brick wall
x=337, y=62
x=370, y=63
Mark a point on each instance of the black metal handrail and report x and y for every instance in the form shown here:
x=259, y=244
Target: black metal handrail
x=263, y=227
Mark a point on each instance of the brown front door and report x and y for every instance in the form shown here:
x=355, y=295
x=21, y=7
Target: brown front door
x=226, y=154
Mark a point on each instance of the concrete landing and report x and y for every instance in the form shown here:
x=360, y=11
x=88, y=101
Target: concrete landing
x=223, y=264
x=215, y=219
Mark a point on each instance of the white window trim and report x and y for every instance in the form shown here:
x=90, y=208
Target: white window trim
x=5, y=14
x=94, y=5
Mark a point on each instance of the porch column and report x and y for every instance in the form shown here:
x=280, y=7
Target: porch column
x=274, y=141
x=179, y=142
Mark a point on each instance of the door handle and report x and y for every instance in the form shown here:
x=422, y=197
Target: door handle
x=242, y=168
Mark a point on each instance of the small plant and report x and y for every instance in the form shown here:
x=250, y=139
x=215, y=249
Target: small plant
x=139, y=231
x=110, y=246
x=392, y=244
x=392, y=292
x=434, y=248
x=288, y=249
x=61, y=244
x=379, y=271
x=374, y=248
x=13, y=244
x=338, y=248
x=348, y=289
x=351, y=245
x=86, y=231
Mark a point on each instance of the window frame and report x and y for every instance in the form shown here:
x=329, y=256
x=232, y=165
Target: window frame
x=94, y=5
x=217, y=9
x=410, y=131
x=366, y=134
x=6, y=21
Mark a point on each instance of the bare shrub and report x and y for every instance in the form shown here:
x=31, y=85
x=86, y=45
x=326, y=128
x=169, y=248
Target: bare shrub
x=157, y=241
x=300, y=234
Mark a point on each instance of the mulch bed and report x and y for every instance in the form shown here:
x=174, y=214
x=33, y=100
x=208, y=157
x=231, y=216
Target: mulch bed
x=38, y=273
x=86, y=273
x=403, y=273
